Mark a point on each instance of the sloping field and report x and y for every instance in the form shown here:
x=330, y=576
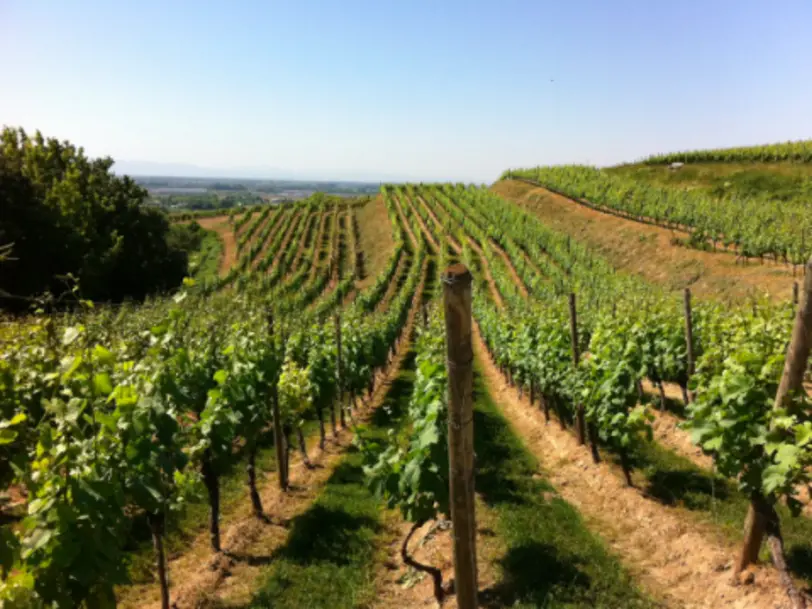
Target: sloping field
x=651, y=251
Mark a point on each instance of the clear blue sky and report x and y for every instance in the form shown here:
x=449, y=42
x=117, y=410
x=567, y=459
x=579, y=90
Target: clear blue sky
x=416, y=89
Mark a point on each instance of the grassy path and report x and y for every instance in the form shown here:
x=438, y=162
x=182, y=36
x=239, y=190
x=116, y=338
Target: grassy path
x=672, y=554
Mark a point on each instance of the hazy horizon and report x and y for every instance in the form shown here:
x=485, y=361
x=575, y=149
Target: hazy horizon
x=185, y=170
x=414, y=91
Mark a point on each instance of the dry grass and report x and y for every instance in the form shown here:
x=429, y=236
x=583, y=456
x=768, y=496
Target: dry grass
x=376, y=239
x=650, y=251
x=224, y=230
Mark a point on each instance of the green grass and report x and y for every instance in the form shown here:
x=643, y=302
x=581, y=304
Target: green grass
x=327, y=561
x=185, y=527
x=675, y=481
x=782, y=181
x=552, y=559
x=205, y=262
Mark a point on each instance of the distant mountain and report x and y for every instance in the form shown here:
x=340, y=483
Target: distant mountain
x=151, y=168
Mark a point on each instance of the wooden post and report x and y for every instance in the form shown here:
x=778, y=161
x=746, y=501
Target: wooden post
x=792, y=380
x=689, y=335
x=278, y=438
x=795, y=294
x=340, y=374
x=457, y=303
x=580, y=415
x=791, y=384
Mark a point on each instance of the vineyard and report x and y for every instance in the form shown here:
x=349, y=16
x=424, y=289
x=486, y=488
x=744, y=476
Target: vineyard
x=798, y=152
x=753, y=227
x=282, y=433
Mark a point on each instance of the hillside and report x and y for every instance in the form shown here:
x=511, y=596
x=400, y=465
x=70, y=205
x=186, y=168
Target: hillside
x=286, y=432
x=783, y=181
x=651, y=251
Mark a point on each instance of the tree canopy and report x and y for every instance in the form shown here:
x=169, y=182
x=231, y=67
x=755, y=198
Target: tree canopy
x=64, y=213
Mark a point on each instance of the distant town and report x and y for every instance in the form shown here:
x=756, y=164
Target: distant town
x=181, y=193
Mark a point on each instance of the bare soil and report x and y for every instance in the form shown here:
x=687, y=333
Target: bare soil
x=651, y=251
x=303, y=243
x=455, y=244
x=429, y=236
x=224, y=230
x=286, y=240
x=375, y=239
x=277, y=222
x=405, y=222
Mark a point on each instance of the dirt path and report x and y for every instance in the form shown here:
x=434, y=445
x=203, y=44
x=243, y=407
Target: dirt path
x=246, y=224
x=303, y=243
x=280, y=253
x=532, y=264
x=224, y=230
x=318, y=246
x=452, y=240
x=514, y=275
x=429, y=237
x=376, y=238
x=244, y=575
x=203, y=578
x=499, y=250
x=391, y=289
x=672, y=556
x=278, y=222
x=349, y=298
x=668, y=434
x=404, y=221
x=651, y=251
x=269, y=219
x=486, y=270
x=336, y=237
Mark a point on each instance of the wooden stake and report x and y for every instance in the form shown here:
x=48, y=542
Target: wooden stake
x=156, y=525
x=791, y=385
x=457, y=303
x=340, y=374
x=580, y=415
x=792, y=380
x=689, y=336
x=278, y=439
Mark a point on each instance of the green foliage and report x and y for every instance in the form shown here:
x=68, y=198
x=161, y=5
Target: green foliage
x=800, y=152
x=412, y=473
x=766, y=450
x=754, y=226
x=65, y=213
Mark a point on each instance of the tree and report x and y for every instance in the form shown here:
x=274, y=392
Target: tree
x=64, y=213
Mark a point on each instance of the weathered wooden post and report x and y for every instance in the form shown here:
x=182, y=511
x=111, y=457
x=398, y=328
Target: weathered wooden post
x=457, y=303
x=278, y=436
x=580, y=415
x=761, y=517
x=792, y=380
x=689, y=340
x=340, y=373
